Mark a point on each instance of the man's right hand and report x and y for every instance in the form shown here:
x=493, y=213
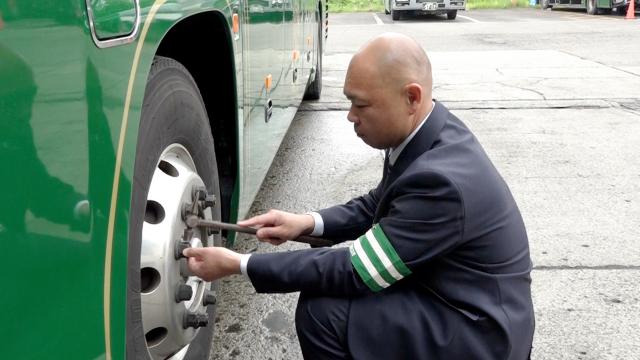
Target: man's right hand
x=278, y=226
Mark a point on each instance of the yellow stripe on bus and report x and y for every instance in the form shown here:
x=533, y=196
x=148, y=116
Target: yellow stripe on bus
x=116, y=178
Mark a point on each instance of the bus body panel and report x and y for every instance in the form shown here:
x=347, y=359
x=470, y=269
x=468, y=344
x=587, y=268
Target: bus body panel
x=69, y=115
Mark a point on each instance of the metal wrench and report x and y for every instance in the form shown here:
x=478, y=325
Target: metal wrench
x=193, y=221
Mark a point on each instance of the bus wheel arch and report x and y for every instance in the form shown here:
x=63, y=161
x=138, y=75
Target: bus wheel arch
x=190, y=42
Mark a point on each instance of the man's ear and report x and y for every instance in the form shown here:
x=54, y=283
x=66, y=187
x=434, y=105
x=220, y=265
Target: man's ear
x=413, y=95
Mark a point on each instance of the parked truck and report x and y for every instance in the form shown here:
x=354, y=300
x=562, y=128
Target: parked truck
x=433, y=7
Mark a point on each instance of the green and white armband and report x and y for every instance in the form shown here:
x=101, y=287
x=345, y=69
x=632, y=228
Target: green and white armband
x=376, y=261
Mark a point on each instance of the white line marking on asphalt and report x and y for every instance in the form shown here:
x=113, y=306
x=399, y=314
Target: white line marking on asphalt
x=468, y=18
x=377, y=19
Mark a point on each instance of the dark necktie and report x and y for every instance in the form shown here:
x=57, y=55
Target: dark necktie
x=387, y=169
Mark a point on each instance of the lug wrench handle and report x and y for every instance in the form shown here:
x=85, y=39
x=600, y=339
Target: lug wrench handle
x=194, y=221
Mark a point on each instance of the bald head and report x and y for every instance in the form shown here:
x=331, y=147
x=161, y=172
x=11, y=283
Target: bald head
x=395, y=59
x=389, y=85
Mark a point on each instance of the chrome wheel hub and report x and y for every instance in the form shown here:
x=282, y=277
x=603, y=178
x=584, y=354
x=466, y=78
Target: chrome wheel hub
x=171, y=299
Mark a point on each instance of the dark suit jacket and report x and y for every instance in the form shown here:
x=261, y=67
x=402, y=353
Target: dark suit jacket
x=445, y=230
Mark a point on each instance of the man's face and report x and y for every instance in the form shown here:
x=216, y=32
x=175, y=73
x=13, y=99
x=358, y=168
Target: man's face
x=378, y=110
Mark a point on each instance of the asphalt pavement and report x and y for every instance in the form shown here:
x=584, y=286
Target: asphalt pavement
x=554, y=97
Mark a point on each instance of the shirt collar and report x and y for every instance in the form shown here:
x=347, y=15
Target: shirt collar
x=395, y=152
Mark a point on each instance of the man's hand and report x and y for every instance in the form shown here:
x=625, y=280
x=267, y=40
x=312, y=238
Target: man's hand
x=212, y=263
x=278, y=226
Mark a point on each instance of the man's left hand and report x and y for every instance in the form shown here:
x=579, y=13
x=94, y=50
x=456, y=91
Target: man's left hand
x=212, y=263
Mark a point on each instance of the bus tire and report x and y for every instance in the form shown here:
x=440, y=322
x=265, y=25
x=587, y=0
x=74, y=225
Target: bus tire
x=173, y=118
x=622, y=10
x=314, y=88
x=395, y=14
x=451, y=14
x=592, y=7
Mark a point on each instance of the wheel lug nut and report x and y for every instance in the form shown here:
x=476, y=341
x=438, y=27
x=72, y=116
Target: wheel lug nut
x=209, y=201
x=183, y=293
x=185, y=272
x=209, y=299
x=194, y=320
x=179, y=248
x=199, y=193
x=187, y=234
x=187, y=209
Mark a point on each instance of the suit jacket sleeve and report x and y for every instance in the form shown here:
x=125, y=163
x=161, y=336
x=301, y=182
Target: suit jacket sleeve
x=424, y=221
x=324, y=271
x=348, y=221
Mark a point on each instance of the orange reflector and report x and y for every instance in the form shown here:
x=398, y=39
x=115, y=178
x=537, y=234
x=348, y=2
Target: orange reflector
x=296, y=55
x=267, y=82
x=236, y=23
x=309, y=40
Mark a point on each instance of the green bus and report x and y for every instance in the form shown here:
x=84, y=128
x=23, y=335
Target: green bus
x=119, y=118
x=593, y=7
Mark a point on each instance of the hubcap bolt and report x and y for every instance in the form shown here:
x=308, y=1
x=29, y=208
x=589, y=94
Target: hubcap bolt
x=195, y=320
x=183, y=293
x=209, y=299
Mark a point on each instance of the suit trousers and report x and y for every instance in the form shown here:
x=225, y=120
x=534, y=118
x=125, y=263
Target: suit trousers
x=398, y=323
x=321, y=325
